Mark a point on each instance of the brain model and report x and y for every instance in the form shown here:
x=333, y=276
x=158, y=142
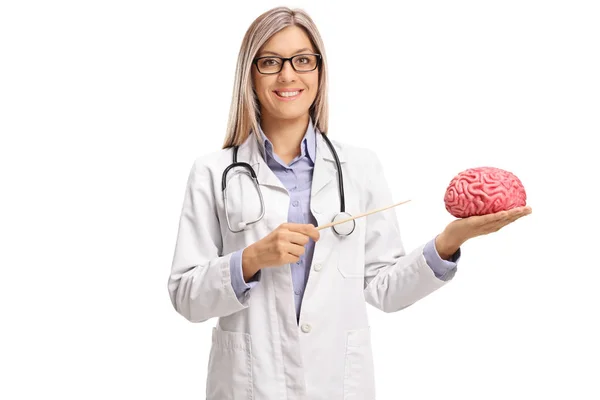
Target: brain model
x=483, y=190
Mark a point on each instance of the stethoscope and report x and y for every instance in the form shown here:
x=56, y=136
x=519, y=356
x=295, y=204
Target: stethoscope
x=342, y=229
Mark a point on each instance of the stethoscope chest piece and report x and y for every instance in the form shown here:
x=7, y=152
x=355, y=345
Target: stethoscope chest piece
x=345, y=228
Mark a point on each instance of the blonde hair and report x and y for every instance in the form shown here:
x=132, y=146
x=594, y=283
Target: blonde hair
x=244, y=110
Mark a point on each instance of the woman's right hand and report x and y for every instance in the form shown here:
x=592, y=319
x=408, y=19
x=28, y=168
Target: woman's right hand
x=282, y=246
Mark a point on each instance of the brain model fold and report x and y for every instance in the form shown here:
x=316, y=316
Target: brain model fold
x=483, y=190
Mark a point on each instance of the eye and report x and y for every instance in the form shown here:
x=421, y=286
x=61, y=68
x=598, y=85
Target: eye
x=305, y=62
x=268, y=62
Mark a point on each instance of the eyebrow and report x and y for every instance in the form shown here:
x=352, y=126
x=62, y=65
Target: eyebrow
x=276, y=54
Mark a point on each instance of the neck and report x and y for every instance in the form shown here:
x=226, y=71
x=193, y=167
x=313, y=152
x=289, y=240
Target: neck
x=285, y=134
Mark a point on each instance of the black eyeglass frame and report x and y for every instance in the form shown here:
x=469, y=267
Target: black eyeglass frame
x=284, y=59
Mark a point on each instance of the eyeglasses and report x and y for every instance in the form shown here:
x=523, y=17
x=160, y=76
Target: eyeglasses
x=301, y=63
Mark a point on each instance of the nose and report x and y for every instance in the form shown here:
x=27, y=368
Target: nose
x=287, y=72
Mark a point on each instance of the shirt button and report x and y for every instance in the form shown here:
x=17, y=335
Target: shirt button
x=295, y=203
x=297, y=292
x=306, y=328
x=318, y=267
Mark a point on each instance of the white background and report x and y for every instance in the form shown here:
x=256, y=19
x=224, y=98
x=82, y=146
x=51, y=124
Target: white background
x=105, y=105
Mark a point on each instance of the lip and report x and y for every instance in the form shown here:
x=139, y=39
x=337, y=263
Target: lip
x=287, y=90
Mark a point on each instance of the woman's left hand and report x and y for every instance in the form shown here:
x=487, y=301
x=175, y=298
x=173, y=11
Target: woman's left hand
x=460, y=230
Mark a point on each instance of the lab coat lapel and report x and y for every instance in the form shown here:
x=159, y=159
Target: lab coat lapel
x=250, y=152
x=324, y=185
x=276, y=201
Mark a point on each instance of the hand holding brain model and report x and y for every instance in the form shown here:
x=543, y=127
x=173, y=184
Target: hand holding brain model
x=484, y=190
x=483, y=200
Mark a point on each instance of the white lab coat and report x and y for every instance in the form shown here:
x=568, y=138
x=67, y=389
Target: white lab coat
x=258, y=350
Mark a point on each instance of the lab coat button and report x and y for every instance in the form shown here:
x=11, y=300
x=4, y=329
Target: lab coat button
x=318, y=267
x=306, y=328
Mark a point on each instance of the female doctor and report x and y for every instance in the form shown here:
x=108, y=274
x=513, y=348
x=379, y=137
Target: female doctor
x=290, y=300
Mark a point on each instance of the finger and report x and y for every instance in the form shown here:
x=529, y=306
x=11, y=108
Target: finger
x=514, y=212
x=312, y=231
x=505, y=215
x=297, y=238
x=294, y=249
x=294, y=227
x=494, y=222
x=307, y=229
x=290, y=259
x=506, y=221
x=489, y=219
x=519, y=212
x=524, y=210
x=513, y=219
x=495, y=227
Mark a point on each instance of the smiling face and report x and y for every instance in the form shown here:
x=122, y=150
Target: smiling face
x=288, y=94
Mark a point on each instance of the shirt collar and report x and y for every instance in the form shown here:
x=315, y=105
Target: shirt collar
x=309, y=142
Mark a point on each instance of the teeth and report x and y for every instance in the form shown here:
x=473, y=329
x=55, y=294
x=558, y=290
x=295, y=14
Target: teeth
x=288, y=94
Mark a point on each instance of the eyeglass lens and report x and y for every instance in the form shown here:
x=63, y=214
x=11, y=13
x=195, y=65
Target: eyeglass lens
x=301, y=63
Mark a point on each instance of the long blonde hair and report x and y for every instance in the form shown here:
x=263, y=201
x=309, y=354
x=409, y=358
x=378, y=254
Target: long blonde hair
x=244, y=110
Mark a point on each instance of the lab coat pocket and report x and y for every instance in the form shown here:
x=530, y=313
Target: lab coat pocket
x=359, y=382
x=230, y=366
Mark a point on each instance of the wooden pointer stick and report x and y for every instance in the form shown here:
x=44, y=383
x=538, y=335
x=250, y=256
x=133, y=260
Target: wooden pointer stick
x=360, y=215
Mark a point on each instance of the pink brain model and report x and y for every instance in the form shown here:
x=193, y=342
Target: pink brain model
x=483, y=190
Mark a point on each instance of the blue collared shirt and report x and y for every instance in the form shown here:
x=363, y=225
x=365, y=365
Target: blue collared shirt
x=297, y=179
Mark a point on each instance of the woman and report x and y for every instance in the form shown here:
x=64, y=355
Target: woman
x=290, y=299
